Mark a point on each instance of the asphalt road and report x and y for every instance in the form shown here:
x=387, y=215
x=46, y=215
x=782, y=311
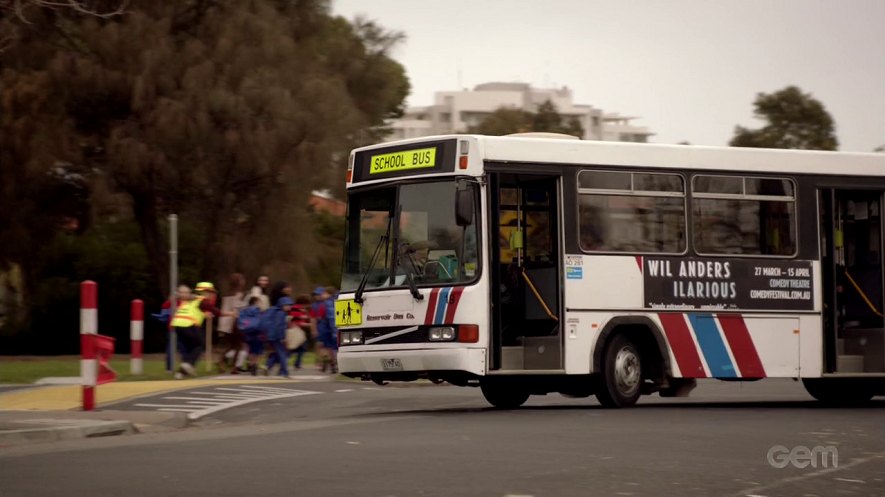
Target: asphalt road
x=348, y=438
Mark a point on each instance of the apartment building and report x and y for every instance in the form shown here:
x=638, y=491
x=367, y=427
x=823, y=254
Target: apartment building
x=456, y=111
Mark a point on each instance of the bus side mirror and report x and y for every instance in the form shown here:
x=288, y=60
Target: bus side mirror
x=464, y=206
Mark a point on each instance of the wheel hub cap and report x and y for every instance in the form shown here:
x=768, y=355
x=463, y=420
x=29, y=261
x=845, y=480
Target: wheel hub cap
x=627, y=371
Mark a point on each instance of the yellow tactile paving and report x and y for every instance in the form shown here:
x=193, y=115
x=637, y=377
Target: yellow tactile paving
x=64, y=397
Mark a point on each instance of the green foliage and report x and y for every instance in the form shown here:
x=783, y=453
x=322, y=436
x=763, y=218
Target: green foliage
x=505, y=121
x=794, y=120
x=326, y=267
x=109, y=254
x=225, y=113
x=548, y=119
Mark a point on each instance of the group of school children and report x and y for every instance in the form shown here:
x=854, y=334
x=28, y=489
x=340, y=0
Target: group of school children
x=273, y=323
x=266, y=322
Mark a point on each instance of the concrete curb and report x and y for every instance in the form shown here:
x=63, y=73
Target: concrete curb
x=62, y=429
x=25, y=427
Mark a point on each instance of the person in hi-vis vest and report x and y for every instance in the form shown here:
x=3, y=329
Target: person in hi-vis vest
x=188, y=325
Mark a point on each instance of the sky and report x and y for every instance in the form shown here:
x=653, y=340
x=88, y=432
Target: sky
x=688, y=69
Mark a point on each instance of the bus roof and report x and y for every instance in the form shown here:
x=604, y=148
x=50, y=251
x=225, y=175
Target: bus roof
x=548, y=150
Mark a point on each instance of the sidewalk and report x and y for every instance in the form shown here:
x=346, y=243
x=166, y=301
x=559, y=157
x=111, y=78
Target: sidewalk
x=49, y=413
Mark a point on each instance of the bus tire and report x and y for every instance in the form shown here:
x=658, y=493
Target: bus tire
x=503, y=394
x=838, y=392
x=621, y=380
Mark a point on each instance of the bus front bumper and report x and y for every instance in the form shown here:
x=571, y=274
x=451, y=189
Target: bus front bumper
x=419, y=360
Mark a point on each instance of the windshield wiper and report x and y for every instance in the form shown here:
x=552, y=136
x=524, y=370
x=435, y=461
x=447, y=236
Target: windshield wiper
x=382, y=242
x=400, y=249
x=405, y=250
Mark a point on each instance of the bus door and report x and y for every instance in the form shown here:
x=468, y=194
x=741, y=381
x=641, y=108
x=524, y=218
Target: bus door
x=525, y=269
x=851, y=263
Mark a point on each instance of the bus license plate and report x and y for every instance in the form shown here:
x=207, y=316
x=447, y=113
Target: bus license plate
x=391, y=364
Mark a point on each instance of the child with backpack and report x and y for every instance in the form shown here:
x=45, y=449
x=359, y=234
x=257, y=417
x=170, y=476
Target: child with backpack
x=322, y=314
x=274, y=323
x=249, y=322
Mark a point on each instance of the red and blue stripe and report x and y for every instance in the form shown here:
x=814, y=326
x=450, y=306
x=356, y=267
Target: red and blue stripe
x=695, y=339
x=442, y=304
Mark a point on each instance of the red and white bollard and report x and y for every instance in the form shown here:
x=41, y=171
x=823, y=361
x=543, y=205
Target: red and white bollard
x=88, y=330
x=136, y=336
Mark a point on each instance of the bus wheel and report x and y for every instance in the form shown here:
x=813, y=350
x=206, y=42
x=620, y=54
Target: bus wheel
x=838, y=391
x=621, y=374
x=503, y=394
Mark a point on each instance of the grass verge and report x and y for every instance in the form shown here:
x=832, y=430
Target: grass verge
x=28, y=369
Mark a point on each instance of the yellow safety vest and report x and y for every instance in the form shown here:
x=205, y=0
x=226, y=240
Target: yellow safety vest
x=188, y=314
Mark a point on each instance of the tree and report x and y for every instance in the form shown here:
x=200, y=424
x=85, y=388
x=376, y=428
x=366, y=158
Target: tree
x=503, y=121
x=227, y=113
x=794, y=120
x=16, y=14
x=546, y=118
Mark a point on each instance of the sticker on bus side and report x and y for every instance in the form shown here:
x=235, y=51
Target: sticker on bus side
x=401, y=161
x=348, y=313
x=574, y=267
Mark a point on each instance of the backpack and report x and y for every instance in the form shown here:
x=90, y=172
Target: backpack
x=330, y=313
x=273, y=323
x=249, y=323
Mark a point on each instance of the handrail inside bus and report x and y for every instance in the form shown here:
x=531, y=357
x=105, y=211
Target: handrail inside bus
x=528, y=280
x=862, y=294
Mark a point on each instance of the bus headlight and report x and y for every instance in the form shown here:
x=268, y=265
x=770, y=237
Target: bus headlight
x=441, y=334
x=351, y=337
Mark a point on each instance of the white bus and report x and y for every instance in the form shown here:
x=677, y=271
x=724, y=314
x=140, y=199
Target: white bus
x=527, y=265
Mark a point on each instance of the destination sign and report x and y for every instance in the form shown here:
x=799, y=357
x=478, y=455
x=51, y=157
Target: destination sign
x=405, y=161
x=399, y=161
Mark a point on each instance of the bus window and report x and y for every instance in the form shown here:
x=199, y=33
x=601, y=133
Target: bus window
x=631, y=212
x=744, y=216
x=439, y=250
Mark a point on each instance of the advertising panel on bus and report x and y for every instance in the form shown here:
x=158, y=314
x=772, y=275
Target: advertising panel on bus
x=691, y=283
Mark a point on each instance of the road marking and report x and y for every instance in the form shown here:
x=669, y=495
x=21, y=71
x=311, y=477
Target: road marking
x=807, y=476
x=344, y=390
x=192, y=401
x=204, y=402
x=294, y=379
x=232, y=395
x=267, y=389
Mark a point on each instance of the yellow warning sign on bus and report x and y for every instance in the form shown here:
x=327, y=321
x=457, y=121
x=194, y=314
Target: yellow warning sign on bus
x=401, y=161
x=348, y=313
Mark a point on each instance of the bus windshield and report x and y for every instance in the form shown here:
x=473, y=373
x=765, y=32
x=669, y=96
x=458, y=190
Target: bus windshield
x=408, y=231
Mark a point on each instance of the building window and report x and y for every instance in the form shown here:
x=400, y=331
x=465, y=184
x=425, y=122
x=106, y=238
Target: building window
x=631, y=212
x=737, y=215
